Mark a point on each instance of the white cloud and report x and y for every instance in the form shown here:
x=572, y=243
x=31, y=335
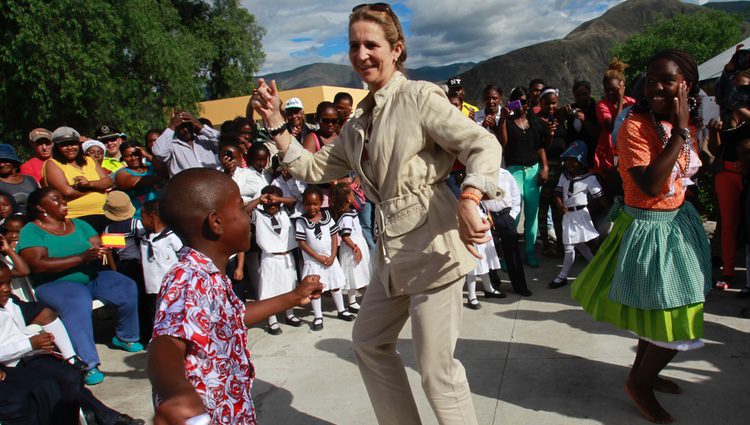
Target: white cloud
x=440, y=32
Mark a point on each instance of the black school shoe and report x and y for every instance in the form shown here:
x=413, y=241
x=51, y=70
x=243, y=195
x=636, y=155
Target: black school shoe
x=557, y=283
x=474, y=304
x=275, y=329
x=495, y=294
x=317, y=324
x=346, y=316
x=293, y=321
x=127, y=420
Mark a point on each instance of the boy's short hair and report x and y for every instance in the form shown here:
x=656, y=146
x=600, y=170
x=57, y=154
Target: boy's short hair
x=150, y=207
x=272, y=190
x=342, y=95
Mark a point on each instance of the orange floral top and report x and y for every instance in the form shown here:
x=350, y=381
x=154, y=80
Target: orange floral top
x=638, y=144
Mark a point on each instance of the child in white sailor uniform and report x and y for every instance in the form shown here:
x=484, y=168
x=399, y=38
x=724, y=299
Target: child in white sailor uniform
x=489, y=261
x=274, y=236
x=576, y=184
x=354, y=254
x=316, y=234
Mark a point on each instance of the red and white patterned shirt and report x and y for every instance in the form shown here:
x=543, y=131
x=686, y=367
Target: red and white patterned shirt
x=196, y=304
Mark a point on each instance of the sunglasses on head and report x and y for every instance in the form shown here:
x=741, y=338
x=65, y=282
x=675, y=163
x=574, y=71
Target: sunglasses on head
x=378, y=7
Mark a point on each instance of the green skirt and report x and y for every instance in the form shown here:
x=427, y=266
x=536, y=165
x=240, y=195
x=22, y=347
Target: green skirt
x=592, y=290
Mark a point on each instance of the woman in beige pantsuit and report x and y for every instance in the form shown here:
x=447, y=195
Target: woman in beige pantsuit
x=402, y=140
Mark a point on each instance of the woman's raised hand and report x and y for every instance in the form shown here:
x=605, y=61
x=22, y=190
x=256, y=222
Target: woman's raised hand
x=681, y=113
x=266, y=102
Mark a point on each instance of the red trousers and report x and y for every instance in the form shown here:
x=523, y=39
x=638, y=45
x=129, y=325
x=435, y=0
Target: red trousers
x=728, y=187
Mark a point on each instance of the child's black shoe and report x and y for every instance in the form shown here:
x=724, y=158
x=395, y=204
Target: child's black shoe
x=346, y=316
x=274, y=329
x=317, y=324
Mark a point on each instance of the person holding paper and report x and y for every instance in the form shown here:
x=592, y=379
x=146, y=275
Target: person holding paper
x=64, y=256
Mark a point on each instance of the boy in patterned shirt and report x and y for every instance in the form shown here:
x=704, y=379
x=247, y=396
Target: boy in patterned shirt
x=198, y=359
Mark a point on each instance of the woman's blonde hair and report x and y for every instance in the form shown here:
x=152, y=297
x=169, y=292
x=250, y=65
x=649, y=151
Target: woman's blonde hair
x=390, y=24
x=615, y=71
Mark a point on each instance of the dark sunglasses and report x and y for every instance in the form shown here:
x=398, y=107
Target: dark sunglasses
x=329, y=120
x=378, y=7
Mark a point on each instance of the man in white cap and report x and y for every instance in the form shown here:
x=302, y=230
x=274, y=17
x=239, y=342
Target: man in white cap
x=295, y=119
x=41, y=144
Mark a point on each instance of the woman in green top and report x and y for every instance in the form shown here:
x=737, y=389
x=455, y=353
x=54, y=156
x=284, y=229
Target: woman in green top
x=64, y=256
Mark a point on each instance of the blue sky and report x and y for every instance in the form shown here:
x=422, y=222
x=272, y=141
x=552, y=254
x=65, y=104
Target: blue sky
x=438, y=32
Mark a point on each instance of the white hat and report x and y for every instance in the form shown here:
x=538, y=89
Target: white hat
x=293, y=103
x=91, y=142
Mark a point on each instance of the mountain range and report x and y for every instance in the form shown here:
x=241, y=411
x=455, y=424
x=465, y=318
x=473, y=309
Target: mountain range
x=583, y=54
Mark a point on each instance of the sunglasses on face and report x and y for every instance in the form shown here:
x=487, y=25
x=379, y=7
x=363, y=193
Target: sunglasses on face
x=329, y=121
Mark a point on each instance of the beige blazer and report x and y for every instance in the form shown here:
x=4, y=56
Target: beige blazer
x=415, y=137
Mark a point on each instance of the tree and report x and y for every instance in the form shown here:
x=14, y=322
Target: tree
x=703, y=34
x=84, y=63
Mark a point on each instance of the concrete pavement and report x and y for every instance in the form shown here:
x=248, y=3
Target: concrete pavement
x=538, y=360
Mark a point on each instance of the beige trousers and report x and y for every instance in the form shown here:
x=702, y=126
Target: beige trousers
x=436, y=317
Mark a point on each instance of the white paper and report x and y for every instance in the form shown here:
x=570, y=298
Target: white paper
x=709, y=109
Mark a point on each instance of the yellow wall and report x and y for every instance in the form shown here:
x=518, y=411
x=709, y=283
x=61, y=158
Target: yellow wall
x=218, y=111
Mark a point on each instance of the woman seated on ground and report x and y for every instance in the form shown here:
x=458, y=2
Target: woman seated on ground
x=138, y=179
x=64, y=256
x=78, y=177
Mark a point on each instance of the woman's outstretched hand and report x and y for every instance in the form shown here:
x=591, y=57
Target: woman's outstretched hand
x=472, y=228
x=266, y=102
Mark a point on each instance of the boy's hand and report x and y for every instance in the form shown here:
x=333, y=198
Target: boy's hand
x=308, y=289
x=179, y=408
x=43, y=341
x=239, y=274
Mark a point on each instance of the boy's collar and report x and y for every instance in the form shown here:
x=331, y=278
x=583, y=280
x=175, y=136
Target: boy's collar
x=199, y=258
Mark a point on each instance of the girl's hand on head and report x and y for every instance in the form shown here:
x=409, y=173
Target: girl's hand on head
x=4, y=245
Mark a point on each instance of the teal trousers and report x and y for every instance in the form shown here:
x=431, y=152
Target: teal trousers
x=528, y=185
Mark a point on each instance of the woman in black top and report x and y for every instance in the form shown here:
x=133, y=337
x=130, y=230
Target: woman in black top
x=554, y=119
x=580, y=122
x=524, y=137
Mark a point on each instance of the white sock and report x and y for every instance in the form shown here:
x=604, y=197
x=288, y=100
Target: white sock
x=272, y=320
x=338, y=299
x=568, y=260
x=585, y=251
x=487, y=284
x=62, y=340
x=352, y=297
x=290, y=312
x=471, y=285
x=317, y=308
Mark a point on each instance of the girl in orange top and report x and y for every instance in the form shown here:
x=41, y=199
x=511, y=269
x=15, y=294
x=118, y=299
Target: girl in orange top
x=651, y=274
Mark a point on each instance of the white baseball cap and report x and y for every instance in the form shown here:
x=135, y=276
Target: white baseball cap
x=293, y=103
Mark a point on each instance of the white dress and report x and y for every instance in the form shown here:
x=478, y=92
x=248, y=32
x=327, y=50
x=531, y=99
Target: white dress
x=318, y=237
x=489, y=260
x=357, y=275
x=577, y=226
x=274, y=236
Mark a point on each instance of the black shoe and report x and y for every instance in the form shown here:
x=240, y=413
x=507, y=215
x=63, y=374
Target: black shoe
x=495, y=294
x=275, y=329
x=557, y=283
x=346, y=316
x=474, y=304
x=744, y=293
x=354, y=308
x=524, y=292
x=127, y=420
x=317, y=324
x=78, y=364
x=293, y=321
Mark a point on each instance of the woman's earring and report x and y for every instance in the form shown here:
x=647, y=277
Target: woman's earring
x=44, y=213
x=692, y=103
